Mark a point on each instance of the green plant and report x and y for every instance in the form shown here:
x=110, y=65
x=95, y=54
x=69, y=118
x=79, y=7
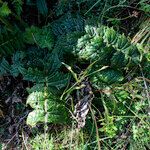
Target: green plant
x=4, y=10
x=108, y=48
x=17, y=4
x=10, y=41
x=42, y=142
x=145, y=6
x=71, y=60
x=42, y=37
x=45, y=73
x=125, y=116
x=47, y=109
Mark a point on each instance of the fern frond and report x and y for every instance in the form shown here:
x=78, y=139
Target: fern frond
x=119, y=60
x=108, y=48
x=18, y=64
x=16, y=67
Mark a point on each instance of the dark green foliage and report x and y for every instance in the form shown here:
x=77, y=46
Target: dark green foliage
x=146, y=65
x=67, y=24
x=17, y=6
x=90, y=8
x=10, y=41
x=118, y=60
x=62, y=7
x=16, y=67
x=17, y=63
x=4, y=67
x=42, y=37
x=38, y=36
x=4, y=10
x=68, y=29
x=145, y=6
x=66, y=43
x=42, y=7
x=108, y=76
x=36, y=65
x=42, y=68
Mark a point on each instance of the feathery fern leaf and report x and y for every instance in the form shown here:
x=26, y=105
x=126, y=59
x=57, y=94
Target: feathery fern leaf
x=55, y=82
x=16, y=67
x=119, y=61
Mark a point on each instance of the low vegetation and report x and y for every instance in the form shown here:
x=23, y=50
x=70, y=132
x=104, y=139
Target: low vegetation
x=74, y=75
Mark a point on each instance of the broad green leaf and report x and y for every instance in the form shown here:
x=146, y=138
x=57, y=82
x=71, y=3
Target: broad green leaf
x=38, y=116
x=35, y=117
x=119, y=60
x=108, y=76
x=34, y=99
x=41, y=101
